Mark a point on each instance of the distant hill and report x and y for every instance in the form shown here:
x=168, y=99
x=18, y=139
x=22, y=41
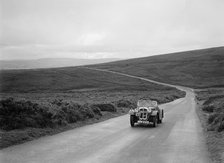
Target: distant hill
x=50, y=63
x=197, y=68
x=70, y=79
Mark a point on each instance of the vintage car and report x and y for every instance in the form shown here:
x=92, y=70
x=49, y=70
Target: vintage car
x=147, y=112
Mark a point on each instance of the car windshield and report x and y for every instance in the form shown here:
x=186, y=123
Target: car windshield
x=147, y=103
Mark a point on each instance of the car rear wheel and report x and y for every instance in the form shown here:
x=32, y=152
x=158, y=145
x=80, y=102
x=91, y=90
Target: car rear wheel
x=158, y=120
x=132, y=120
x=161, y=120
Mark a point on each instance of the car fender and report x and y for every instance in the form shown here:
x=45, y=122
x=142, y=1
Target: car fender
x=132, y=112
x=154, y=113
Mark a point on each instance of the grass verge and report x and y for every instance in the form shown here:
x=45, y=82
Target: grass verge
x=28, y=116
x=211, y=113
x=21, y=121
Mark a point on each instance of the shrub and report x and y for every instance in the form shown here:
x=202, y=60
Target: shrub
x=125, y=104
x=212, y=117
x=106, y=107
x=221, y=126
x=71, y=110
x=57, y=102
x=96, y=110
x=86, y=111
x=22, y=114
x=211, y=99
x=216, y=122
x=208, y=108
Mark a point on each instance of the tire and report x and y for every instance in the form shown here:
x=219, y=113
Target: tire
x=158, y=120
x=132, y=120
x=161, y=120
x=155, y=121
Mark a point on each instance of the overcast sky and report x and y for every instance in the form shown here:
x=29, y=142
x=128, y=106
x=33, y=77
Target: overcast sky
x=108, y=28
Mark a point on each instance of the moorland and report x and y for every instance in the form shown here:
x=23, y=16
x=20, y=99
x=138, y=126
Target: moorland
x=70, y=90
x=202, y=68
x=40, y=102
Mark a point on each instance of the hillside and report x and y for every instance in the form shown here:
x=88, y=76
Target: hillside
x=69, y=79
x=50, y=62
x=39, y=102
x=197, y=68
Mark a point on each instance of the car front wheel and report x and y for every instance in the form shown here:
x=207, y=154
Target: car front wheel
x=155, y=121
x=132, y=120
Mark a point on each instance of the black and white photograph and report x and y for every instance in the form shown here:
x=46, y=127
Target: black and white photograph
x=111, y=81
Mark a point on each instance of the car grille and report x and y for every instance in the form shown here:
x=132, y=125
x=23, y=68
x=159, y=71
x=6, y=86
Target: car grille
x=143, y=116
x=143, y=110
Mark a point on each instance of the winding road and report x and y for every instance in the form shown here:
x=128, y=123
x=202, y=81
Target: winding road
x=179, y=139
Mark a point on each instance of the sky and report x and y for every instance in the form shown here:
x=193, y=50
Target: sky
x=31, y=29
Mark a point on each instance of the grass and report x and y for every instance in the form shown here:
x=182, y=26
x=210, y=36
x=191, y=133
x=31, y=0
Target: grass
x=69, y=80
x=196, y=69
x=211, y=114
x=41, y=102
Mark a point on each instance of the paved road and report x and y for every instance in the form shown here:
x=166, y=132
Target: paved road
x=178, y=139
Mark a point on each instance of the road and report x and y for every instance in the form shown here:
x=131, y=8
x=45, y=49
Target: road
x=178, y=139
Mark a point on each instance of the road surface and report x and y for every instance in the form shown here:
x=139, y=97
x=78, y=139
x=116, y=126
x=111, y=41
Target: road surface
x=179, y=139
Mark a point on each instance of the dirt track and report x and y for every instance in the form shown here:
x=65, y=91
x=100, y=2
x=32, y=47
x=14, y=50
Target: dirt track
x=178, y=139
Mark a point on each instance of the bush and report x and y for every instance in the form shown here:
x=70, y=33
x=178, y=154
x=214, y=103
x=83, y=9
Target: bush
x=211, y=99
x=96, y=110
x=106, y=107
x=57, y=102
x=86, y=111
x=216, y=122
x=72, y=113
x=22, y=114
x=221, y=126
x=125, y=104
x=208, y=108
x=212, y=117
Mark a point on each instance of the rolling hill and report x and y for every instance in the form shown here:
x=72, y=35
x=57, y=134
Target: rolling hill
x=50, y=62
x=197, y=68
x=69, y=79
